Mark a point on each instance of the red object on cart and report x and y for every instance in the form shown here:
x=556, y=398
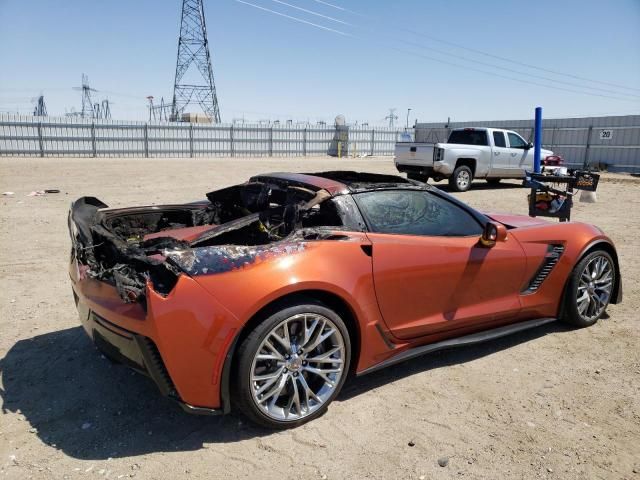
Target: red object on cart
x=552, y=161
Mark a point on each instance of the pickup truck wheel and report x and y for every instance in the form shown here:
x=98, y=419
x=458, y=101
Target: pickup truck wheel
x=461, y=179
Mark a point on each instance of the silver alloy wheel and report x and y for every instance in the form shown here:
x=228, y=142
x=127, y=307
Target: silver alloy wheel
x=463, y=178
x=594, y=288
x=297, y=367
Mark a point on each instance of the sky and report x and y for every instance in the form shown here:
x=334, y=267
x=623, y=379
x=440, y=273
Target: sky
x=467, y=60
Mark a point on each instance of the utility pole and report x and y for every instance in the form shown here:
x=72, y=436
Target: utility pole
x=193, y=49
x=392, y=117
x=408, y=111
x=152, y=113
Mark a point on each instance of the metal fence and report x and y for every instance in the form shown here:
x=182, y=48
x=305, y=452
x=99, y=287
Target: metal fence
x=53, y=137
x=611, y=143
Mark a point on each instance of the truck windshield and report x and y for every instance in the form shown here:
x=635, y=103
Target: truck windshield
x=469, y=137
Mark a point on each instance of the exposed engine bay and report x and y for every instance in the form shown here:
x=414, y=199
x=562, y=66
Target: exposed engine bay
x=130, y=247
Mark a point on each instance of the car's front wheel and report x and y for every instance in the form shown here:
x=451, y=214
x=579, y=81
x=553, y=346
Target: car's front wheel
x=292, y=365
x=589, y=289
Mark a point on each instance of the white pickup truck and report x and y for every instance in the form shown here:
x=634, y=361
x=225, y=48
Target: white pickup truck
x=489, y=153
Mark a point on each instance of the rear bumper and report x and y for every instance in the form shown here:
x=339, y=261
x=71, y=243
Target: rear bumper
x=415, y=169
x=139, y=353
x=438, y=169
x=180, y=340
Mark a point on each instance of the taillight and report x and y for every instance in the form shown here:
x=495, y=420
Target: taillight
x=552, y=160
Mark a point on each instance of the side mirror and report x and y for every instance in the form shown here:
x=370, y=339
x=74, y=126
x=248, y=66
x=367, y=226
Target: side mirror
x=528, y=146
x=492, y=233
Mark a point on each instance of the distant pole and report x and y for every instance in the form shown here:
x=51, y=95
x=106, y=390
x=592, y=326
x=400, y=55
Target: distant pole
x=537, y=140
x=408, y=111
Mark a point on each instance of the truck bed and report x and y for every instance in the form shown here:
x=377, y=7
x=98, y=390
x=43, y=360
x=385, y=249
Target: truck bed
x=414, y=157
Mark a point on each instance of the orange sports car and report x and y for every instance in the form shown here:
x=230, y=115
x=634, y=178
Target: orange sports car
x=267, y=295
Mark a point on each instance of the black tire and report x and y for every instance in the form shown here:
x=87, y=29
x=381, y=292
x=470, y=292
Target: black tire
x=493, y=181
x=460, y=180
x=576, y=289
x=418, y=177
x=248, y=349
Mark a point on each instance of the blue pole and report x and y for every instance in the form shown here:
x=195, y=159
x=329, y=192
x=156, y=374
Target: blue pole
x=537, y=140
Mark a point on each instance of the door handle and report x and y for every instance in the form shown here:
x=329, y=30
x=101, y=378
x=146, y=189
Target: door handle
x=514, y=154
x=496, y=153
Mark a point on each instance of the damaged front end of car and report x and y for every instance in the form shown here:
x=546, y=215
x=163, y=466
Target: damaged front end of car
x=149, y=247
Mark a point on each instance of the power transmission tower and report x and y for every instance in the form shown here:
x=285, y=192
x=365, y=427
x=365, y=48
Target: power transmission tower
x=87, y=105
x=106, y=109
x=102, y=111
x=41, y=108
x=159, y=113
x=193, y=48
x=392, y=117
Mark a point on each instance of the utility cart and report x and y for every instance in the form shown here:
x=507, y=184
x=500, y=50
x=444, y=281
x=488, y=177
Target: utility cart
x=552, y=195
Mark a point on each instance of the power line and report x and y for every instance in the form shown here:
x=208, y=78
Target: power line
x=337, y=7
x=294, y=18
x=528, y=82
x=541, y=77
x=452, y=63
x=521, y=73
x=481, y=52
x=311, y=12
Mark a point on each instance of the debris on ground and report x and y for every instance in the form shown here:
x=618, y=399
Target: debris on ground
x=39, y=193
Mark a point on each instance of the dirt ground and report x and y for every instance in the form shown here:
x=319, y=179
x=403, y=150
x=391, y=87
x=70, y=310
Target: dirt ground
x=549, y=403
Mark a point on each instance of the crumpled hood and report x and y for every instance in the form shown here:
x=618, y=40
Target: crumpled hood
x=516, y=221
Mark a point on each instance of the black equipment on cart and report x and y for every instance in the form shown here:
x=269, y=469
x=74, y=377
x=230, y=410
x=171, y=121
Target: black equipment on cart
x=552, y=195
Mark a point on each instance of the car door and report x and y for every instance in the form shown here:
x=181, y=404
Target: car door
x=500, y=156
x=430, y=272
x=521, y=156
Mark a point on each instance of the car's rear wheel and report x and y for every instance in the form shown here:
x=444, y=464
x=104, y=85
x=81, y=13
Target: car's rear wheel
x=460, y=180
x=589, y=289
x=292, y=365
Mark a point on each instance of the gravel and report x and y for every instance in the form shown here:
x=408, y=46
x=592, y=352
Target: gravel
x=469, y=401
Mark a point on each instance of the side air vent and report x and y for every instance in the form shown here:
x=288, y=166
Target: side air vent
x=554, y=252
x=155, y=366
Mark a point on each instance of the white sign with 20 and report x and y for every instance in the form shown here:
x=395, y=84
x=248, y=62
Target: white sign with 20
x=606, y=134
